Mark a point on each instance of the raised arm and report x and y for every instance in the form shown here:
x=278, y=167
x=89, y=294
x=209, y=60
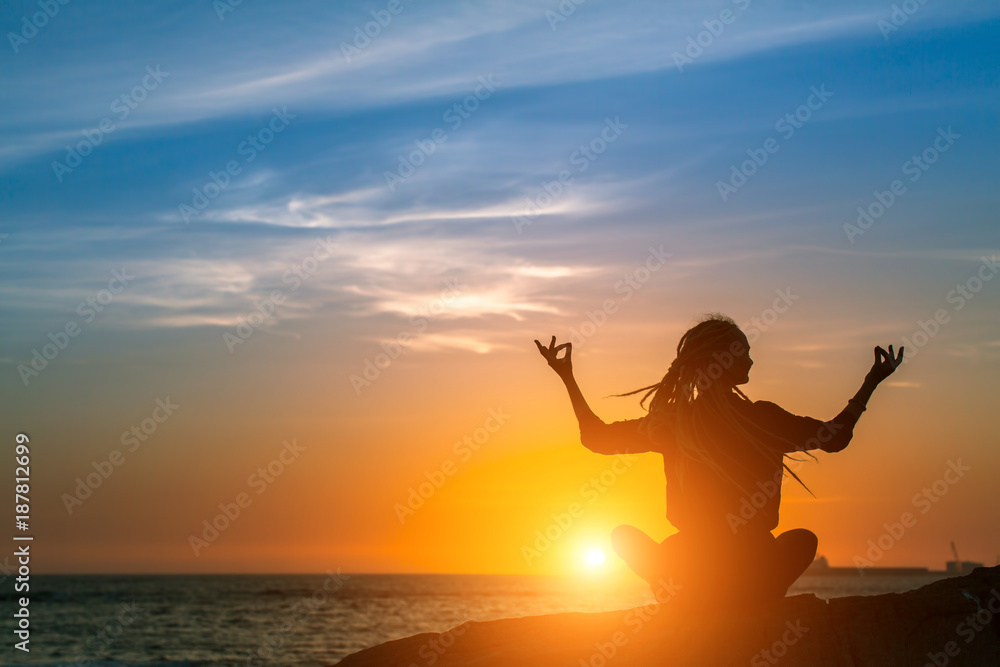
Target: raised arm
x=841, y=427
x=595, y=435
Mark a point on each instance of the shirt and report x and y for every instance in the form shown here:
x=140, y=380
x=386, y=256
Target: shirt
x=742, y=491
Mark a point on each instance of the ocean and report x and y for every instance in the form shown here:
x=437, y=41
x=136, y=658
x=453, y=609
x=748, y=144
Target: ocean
x=256, y=620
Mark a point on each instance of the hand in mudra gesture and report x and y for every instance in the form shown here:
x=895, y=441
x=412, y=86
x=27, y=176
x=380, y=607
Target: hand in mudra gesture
x=563, y=366
x=885, y=364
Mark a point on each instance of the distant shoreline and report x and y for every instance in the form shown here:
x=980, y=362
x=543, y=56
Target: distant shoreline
x=884, y=571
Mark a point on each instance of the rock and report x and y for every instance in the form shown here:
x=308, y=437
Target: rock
x=949, y=622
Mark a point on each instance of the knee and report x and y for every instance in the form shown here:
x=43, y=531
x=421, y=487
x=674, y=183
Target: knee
x=629, y=541
x=809, y=541
x=801, y=541
x=622, y=535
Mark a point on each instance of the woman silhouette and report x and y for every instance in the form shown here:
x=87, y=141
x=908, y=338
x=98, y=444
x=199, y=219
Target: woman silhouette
x=723, y=458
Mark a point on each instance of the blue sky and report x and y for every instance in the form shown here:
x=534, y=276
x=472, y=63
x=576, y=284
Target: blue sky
x=558, y=85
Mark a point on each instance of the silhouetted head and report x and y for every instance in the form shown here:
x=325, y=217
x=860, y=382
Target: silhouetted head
x=713, y=357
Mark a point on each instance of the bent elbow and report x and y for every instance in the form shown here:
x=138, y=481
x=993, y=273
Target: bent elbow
x=616, y=438
x=593, y=441
x=841, y=438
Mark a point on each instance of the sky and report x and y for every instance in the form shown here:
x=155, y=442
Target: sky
x=271, y=272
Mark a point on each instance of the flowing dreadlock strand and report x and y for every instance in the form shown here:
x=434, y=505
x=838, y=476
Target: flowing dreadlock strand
x=745, y=426
x=679, y=384
x=757, y=436
x=673, y=396
x=671, y=400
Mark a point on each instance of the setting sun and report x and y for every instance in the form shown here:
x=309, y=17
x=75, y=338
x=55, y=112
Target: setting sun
x=595, y=557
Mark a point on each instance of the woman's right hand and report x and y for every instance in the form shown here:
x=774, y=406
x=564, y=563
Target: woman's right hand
x=562, y=366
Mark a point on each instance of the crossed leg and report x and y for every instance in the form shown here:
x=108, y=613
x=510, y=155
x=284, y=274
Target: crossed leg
x=666, y=566
x=760, y=568
x=796, y=550
x=641, y=553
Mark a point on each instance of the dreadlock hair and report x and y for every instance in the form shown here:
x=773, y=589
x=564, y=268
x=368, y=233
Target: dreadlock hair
x=670, y=415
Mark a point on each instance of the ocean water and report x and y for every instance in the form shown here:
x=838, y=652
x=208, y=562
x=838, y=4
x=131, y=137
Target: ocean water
x=105, y=620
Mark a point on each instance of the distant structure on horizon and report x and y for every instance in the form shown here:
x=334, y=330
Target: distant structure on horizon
x=959, y=566
x=821, y=567
x=962, y=567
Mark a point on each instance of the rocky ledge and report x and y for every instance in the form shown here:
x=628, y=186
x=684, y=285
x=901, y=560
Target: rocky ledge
x=949, y=622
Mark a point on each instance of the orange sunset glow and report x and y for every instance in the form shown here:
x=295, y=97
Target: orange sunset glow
x=281, y=320
x=548, y=333
x=458, y=461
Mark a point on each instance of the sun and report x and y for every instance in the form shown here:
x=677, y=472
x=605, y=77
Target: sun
x=595, y=556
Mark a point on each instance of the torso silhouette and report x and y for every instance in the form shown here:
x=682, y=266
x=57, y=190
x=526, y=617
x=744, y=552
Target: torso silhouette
x=700, y=499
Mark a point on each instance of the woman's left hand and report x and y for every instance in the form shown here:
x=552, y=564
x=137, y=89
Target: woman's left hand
x=885, y=364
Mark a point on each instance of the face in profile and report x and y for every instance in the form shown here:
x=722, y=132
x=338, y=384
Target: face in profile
x=739, y=347
x=731, y=363
x=728, y=366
